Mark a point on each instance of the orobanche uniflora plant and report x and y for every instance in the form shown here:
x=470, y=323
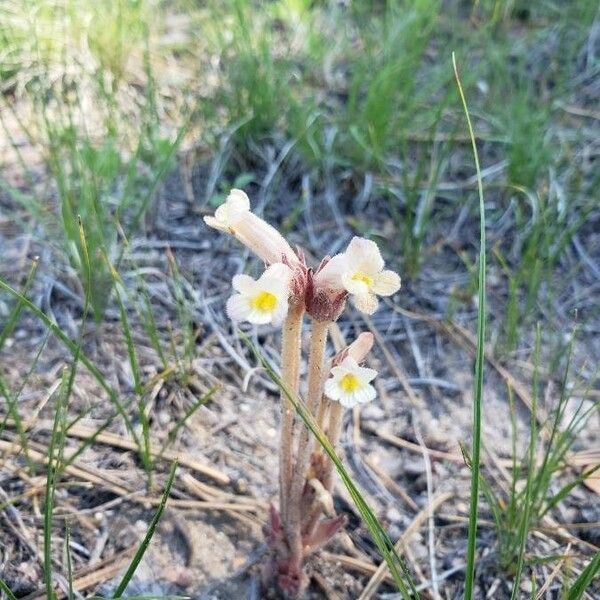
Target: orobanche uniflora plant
x=287, y=291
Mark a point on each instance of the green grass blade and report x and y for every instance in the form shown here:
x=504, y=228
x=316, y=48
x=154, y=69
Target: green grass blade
x=567, y=489
x=396, y=564
x=13, y=411
x=87, y=442
x=182, y=306
x=56, y=443
x=13, y=317
x=479, y=363
x=145, y=449
x=7, y=590
x=75, y=350
x=553, y=454
x=68, y=560
x=583, y=581
x=131, y=353
x=531, y=473
x=11, y=399
x=148, y=320
x=148, y=537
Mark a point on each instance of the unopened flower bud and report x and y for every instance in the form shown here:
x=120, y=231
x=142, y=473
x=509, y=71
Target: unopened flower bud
x=358, y=349
x=322, y=496
x=235, y=217
x=323, y=303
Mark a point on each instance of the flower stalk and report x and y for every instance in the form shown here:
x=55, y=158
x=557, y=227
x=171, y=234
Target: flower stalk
x=291, y=345
x=316, y=363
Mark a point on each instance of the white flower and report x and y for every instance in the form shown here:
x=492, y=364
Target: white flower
x=349, y=384
x=261, y=301
x=359, y=271
x=234, y=217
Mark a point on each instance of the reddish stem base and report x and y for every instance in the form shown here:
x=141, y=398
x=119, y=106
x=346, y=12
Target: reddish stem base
x=284, y=571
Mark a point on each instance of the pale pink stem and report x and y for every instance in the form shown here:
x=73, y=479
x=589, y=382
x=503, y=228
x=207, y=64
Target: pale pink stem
x=322, y=412
x=316, y=362
x=336, y=415
x=290, y=370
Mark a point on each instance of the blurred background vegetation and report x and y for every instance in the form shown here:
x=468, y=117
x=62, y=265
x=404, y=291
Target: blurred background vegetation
x=103, y=96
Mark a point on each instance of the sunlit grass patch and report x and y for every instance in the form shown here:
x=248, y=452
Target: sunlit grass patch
x=85, y=98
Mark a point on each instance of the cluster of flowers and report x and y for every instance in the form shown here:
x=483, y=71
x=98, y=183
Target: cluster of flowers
x=286, y=291
x=357, y=273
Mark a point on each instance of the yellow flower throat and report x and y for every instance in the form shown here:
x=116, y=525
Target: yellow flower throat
x=264, y=302
x=349, y=382
x=360, y=276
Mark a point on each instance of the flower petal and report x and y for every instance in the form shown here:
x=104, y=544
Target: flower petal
x=277, y=275
x=243, y=284
x=365, y=374
x=238, y=308
x=386, y=283
x=366, y=303
x=216, y=224
x=259, y=317
x=339, y=371
x=346, y=401
x=332, y=388
x=234, y=208
x=348, y=365
x=238, y=200
x=365, y=394
x=364, y=255
x=330, y=276
x=280, y=312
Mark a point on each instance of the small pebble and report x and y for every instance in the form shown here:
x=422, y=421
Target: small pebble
x=393, y=515
x=241, y=485
x=527, y=586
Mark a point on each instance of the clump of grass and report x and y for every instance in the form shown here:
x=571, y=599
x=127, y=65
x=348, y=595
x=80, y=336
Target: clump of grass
x=104, y=170
x=264, y=57
x=385, y=91
x=57, y=461
x=122, y=407
x=532, y=490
